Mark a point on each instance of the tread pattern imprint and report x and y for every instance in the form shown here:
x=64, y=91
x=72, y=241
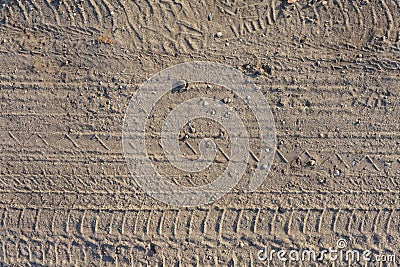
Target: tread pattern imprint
x=329, y=69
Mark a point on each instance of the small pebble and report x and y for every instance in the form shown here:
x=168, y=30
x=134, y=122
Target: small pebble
x=219, y=34
x=192, y=129
x=226, y=100
x=179, y=85
x=263, y=167
x=281, y=210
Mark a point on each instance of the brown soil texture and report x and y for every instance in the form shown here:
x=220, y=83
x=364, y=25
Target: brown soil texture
x=330, y=71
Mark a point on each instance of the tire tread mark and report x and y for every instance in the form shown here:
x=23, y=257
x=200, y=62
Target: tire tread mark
x=70, y=12
x=363, y=222
x=398, y=30
x=344, y=14
x=316, y=15
x=175, y=225
x=289, y=223
x=23, y=9
x=135, y=224
x=350, y=222
x=205, y=226
x=82, y=12
x=238, y=221
x=3, y=249
x=160, y=223
x=189, y=226
x=123, y=224
x=376, y=221
x=131, y=24
x=272, y=227
x=374, y=22
x=110, y=11
x=389, y=18
x=320, y=222
x=261, y=24
x=36, y=221
x=20, y=218
x=148, y=223
x=256, y=221
x=274, y=16
x=219, y=226
x=76, y=254
x=112, y=220
x=38, y=9
x=54, y=12
x=360, y=19
x=389, y=219
x=268, y=18
x=335, y=220
x=82, y=224
x=97, y=12
x=67, y=230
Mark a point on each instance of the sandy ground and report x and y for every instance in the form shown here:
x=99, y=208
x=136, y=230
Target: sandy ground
x=329, y=70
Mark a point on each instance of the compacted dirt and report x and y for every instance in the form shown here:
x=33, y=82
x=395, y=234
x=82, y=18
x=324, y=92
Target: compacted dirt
x=330, y=71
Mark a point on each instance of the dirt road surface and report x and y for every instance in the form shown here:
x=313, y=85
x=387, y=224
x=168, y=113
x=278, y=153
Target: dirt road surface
x=330, y=71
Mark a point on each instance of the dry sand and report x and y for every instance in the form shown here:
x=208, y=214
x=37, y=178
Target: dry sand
x=329, y=70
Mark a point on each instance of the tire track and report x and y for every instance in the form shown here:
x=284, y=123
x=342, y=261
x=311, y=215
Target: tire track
x=110, y=10
x=137, y=37
x=389, y=18
x=54, y=12
x=344, y=15
x=97, y=13
x=375, y=25
x=196, y=38
x=361, y=19
x=38, y=9
x=90, y=172
x=70, y=13
x=79, y=6
x=76, y=246
x=23, y=9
